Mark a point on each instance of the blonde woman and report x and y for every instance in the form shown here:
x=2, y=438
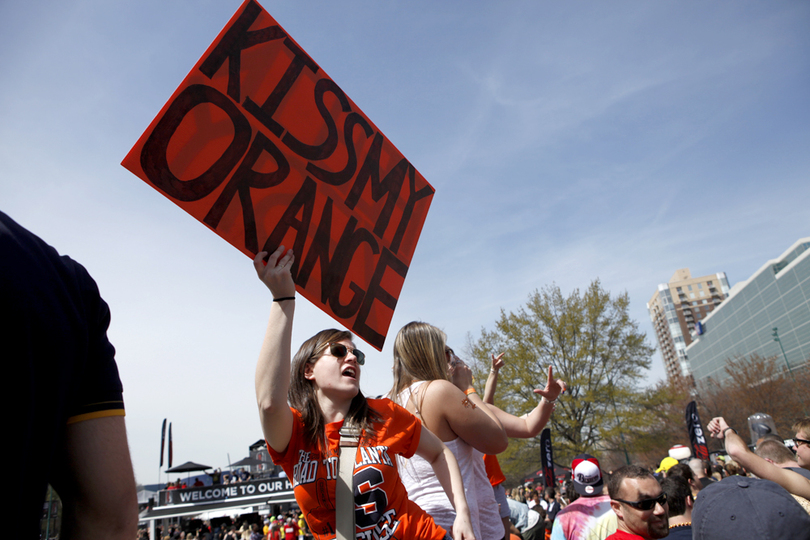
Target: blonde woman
x=431, y=382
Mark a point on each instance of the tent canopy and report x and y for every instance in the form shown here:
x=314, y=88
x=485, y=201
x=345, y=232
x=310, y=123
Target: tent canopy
x=247, y=462
x=188, y=466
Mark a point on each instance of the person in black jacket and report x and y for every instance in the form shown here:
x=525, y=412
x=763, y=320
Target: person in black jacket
x=67, y=421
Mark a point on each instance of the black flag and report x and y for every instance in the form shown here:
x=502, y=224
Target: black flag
x=696, y=435
x=162, y=441
x=170, y=445
x=548, y=458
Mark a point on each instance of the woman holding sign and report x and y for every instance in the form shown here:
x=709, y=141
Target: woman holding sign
x=433, y=383
x=323, y=389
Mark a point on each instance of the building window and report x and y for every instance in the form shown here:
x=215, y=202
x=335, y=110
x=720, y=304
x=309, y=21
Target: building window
x=700, y=286
x=689, y=287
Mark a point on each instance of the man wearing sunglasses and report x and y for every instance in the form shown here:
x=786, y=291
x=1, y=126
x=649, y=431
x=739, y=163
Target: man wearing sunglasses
x=780, y=455
x=639, y=503
x=802, y=440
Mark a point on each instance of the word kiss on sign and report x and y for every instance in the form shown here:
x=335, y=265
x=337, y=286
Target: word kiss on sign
x=259, y=144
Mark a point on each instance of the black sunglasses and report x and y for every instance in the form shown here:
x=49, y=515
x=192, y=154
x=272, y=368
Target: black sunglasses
x=339, y=350
x=646, y=504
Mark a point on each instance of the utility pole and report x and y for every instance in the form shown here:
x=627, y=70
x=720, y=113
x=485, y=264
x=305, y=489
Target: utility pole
x=775, y=335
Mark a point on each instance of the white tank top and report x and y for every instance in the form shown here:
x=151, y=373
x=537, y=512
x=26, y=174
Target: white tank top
x=424, y=489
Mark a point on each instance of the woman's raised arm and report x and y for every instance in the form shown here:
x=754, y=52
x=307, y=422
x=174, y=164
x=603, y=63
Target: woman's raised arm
x=528, y=425
x=273, y=366
x=735, y=447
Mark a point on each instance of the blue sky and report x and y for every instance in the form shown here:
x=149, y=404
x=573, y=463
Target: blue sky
x=566, y=141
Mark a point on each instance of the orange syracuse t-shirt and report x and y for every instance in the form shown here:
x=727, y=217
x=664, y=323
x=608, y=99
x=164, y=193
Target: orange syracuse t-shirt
x=382, y=508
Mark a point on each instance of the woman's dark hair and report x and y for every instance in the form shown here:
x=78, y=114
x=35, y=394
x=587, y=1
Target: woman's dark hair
x=303, y=398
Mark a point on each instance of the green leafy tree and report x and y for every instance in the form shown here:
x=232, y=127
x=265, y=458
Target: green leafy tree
x=662, y=409
x=594, y=346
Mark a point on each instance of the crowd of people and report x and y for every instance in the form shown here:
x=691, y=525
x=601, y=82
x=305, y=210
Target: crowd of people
x=759, y=494
x=289, y=526
x=421, y=465
x=686, y=499
x=441, y=433
x=216, y=478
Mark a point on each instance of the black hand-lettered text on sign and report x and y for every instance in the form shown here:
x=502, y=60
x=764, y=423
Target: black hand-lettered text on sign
x=260, y=145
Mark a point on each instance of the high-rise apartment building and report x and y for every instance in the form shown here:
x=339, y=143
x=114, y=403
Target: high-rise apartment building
x=675, y=310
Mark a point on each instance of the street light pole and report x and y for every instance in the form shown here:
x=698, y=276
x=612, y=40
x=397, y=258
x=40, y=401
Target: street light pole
x=775, y=335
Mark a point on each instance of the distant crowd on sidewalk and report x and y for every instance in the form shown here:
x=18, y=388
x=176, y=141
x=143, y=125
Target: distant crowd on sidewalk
x=289, y=526
x=422, y=466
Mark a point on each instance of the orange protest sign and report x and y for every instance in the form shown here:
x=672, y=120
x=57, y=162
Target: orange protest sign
x=260, y=145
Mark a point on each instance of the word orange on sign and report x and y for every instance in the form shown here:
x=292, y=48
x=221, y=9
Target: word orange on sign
x=260, y=145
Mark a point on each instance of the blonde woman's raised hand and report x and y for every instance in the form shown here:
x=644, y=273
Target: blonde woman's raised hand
x=554, y=387
x=461, y=375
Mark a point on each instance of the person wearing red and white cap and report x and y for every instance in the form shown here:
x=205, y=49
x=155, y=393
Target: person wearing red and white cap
x=590, y=516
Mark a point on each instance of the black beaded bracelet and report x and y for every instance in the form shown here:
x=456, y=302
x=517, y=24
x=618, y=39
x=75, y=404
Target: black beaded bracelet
x=730, y=428
x=284, y=298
